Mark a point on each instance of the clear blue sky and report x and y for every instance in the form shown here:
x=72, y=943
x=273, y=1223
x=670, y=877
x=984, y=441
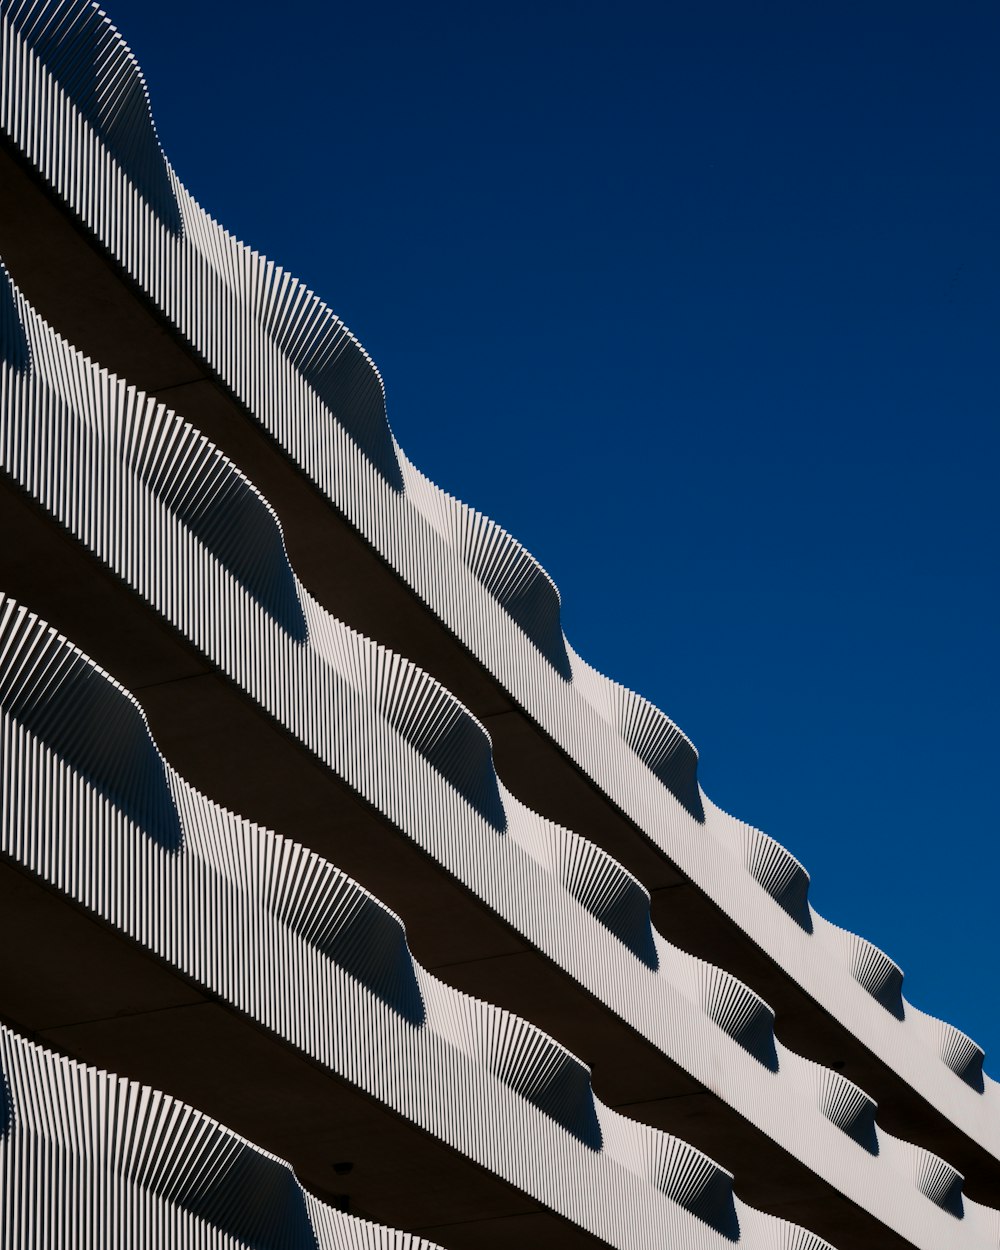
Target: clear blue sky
x=700, y=301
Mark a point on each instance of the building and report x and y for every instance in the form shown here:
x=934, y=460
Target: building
x=230, y=592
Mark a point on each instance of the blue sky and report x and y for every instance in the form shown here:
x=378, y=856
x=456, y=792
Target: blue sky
x=701, y=302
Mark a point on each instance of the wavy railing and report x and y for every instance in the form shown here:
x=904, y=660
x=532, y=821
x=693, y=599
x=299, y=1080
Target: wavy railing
x=74, y=102
x=154, y=1172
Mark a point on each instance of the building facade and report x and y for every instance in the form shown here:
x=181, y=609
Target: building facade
x=343, y=903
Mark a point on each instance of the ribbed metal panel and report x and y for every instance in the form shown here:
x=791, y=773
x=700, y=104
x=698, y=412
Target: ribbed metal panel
x=88, y=1159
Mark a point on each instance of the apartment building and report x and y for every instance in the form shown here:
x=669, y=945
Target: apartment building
x=343, y=904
